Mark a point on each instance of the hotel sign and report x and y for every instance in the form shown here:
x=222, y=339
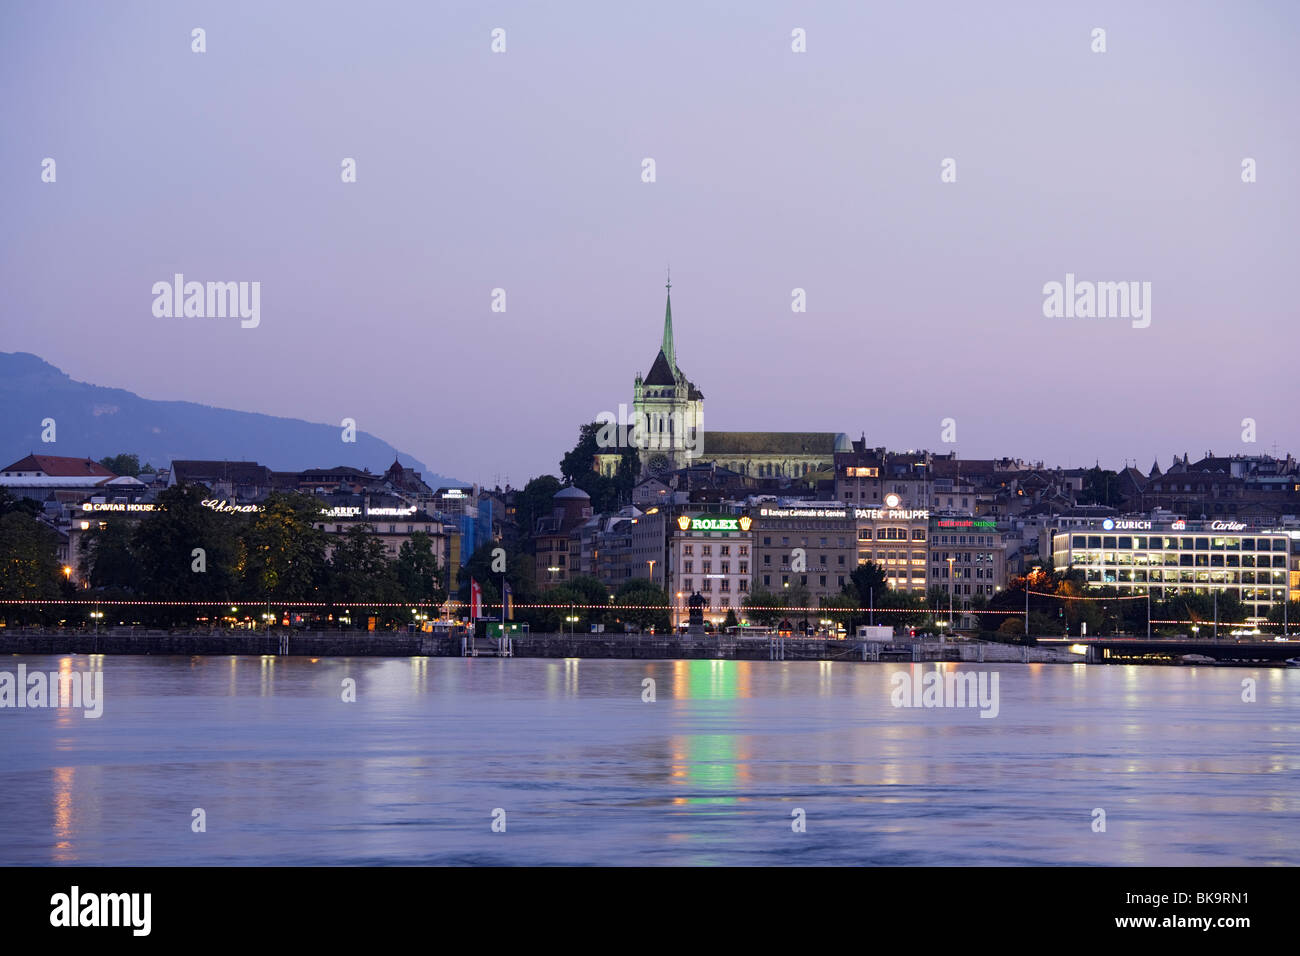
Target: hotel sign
x=352, y=511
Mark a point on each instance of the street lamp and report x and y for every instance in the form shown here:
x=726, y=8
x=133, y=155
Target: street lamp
x=951, y=586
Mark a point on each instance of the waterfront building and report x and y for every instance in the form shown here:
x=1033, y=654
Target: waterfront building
x=1137, y=555
x=814, y=544
x=895, y=536
x=709, y=553
x=557, y=552
x=967, y=561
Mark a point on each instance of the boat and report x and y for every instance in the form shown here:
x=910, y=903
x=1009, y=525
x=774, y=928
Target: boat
x=1196, y=659
x=1293, y=662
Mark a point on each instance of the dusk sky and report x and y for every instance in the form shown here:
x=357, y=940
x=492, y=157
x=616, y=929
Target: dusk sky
x=775, y=170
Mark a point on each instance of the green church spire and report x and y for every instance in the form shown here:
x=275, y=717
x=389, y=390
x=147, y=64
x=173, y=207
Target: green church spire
x=668, y=326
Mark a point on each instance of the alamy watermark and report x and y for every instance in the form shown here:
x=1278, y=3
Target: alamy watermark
x=1098, y=300
x=947, y=689
x=212, y=300
x=82, y=689
x=667, y=431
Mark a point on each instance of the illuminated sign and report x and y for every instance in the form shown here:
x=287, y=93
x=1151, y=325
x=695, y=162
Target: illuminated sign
x=686, y=522
x=454, y=493
x=892, y=500
x=857, y=472
x=1110, y=524
x=1227, y=526
x=104, y=506
x=352, y=511
x=1178, y=526
x=226, y=506
x=341, y=512
x=891, y=514
x=989, y=523
x=802, y=513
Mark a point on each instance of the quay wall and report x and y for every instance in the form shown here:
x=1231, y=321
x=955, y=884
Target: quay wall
x=411, y=644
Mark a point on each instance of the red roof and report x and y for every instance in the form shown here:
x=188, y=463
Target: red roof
x=57, y=466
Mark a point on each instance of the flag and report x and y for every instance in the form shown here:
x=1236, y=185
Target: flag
x=507, y=602
x=475, y=600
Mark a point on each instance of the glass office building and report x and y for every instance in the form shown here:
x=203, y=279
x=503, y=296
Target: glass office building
x=1182, y=557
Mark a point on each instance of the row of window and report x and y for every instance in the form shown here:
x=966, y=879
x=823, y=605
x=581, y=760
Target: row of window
x=724, y=550
x=785, y=542
x=1248, y=595
x=1112, y=576
x=706, y=585
x=1176, y=559
x=892, y=534
x=803, y=579
x=688, y=567
x=1163, y=542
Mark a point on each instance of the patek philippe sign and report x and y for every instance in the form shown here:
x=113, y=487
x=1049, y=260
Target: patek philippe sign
x=892, y=514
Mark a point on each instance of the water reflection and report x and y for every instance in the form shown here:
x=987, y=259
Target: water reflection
x=708, y=773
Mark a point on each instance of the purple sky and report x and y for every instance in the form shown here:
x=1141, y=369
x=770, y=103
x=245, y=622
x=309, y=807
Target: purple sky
x=775, y=170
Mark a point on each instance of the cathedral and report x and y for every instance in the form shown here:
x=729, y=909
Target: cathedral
x=668, y=408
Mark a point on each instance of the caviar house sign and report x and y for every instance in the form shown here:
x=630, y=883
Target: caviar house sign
x=711, y=523
x=229, y=507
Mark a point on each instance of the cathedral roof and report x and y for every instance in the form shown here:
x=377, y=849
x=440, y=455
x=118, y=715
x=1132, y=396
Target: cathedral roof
x=661, y=373
x=718, y=444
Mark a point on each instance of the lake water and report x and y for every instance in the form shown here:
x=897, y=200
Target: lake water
x=712, y=772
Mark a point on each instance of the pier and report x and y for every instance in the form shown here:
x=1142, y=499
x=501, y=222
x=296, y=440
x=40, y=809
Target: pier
x=126, y=640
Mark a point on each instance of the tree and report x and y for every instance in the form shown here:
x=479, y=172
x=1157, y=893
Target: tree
x=123, y=464
x=1100, y=487
x=359, y=569
x=286, y=551
x=730, y=619
x=29, y=568
x=533, y=501
x=865, y=580
x=164, y=546
x=578, y=467
x=108, y=559
x=763, y=607
x=641, y=602
x=418, y=574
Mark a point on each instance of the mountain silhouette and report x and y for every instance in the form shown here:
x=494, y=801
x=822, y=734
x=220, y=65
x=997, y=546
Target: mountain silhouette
x=92, y=421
